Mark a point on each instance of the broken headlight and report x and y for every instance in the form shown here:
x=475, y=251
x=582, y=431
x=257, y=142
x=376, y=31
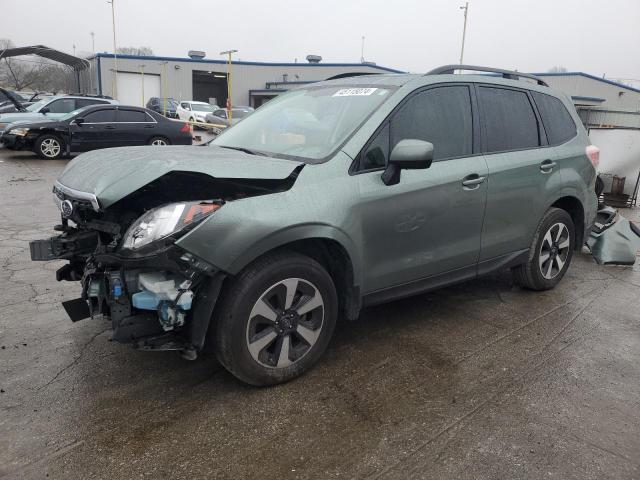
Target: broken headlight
x=166, y=220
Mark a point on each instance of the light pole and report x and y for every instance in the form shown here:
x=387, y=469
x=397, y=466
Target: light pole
x=362, y=51
x=114, y=88
x=229, y=52
x=464, y=29
x=164, y=86
x=93, y=42
x=142, y=80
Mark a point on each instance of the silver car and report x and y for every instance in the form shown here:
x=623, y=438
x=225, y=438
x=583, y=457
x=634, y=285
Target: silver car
x=221, y=117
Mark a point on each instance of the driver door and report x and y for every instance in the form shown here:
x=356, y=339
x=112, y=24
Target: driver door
x=428, y=226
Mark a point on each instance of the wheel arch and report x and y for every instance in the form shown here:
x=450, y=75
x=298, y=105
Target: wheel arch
x=328, y=246
x=573, y=206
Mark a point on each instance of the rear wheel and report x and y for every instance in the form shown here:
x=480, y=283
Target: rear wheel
x=159, y=142
x=49, y=147
x=550, y=252
x=276, y=319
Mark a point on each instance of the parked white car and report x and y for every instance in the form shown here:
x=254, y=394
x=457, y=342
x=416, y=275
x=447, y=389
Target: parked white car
x=194, y=111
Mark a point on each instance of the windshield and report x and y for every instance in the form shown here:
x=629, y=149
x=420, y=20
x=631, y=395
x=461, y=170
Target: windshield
x=309, y=123
x=202, y=107
x=34, y=107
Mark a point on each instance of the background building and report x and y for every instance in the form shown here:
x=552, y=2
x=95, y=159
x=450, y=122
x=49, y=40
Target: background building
x=142, y=77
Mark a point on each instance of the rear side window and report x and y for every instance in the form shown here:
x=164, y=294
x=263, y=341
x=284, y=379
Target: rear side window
x=558, y=123
x=101, y=116
x=132, y=116
x=509, y=120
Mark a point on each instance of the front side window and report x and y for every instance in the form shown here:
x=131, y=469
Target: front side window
x=62, y=105
x=308, y=124
x=509, y=120
x=220, y=113
x=558, y=123
x=101, y=116
x=439, y=115
x=185, y=105
x=85, y=102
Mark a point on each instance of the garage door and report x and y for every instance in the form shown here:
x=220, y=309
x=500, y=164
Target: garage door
x=130, y=88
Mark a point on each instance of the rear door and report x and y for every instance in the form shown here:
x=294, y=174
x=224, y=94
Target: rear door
x=428, y=224
x=520, y=171
x=134, y=127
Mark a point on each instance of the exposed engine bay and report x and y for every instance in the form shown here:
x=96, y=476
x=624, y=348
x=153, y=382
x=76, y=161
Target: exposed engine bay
x=157, y=295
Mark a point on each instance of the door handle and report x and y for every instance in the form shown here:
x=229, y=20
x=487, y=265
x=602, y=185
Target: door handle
x=547, y=166
x=473, y=181
x=109, y=127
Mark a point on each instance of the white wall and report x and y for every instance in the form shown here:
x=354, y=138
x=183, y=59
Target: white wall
x=619, y=153
x=578, y=85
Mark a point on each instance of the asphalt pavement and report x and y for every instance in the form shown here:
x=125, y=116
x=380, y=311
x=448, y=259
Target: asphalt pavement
x=478, y=381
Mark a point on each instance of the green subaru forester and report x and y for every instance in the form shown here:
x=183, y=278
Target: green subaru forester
x=334, y=196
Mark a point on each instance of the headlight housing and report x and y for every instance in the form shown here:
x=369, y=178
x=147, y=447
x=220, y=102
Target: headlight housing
x=20, y=132
x=167, y=220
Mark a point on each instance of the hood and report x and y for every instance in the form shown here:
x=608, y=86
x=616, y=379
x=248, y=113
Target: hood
x=114, y=173
x=19, y=116
x=12, y=97
x=33, y=125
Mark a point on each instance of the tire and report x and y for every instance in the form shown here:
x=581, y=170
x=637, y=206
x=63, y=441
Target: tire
x=550, y=253
x=255, y=339
x=159, y=141
x=49, y=147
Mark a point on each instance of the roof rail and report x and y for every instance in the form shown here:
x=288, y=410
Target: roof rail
x=91, y=95
x=509, y=74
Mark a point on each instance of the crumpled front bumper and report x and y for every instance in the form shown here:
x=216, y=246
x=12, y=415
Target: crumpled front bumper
x=613, y=240
x=161, y=300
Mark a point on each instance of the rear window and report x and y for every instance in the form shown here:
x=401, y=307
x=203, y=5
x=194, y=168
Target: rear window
x=558, y=123
x=509, y=120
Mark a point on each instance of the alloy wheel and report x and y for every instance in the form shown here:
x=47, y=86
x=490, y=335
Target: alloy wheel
x=554, y=250
x=158, y=142
x=285, y=323
x=50, y=147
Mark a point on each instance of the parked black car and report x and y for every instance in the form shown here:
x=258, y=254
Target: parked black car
x=163, y=106
x=94, y=127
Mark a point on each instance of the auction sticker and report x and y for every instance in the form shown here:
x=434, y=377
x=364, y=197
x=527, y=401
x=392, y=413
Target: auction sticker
x=354, y=92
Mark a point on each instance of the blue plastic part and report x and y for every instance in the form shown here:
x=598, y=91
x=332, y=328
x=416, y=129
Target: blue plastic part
x=146, y=300
x=117, y=288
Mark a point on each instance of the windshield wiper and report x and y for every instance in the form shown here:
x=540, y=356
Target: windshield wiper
x=245, y=150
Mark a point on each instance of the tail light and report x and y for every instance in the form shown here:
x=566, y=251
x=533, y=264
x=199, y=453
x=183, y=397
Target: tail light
x=185, y=128
x=593, y=153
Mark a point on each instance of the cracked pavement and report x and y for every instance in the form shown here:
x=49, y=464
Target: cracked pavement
x=480, y=380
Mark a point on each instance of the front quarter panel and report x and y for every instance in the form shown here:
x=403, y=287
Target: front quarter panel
x=318, y=205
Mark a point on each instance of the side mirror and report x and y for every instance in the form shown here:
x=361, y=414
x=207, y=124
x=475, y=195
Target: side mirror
x=45, y=110
x=79, y=121
x=407, y=154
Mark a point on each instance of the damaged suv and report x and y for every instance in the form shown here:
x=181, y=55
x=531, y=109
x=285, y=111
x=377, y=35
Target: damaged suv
x=334, y=196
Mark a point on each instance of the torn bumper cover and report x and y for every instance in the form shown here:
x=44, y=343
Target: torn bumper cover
x=159, y=301
x=613, y=239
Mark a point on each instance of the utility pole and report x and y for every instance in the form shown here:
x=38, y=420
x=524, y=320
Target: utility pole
x=229, y=68
x=74, y=49
x=464, y=30
x=93, y=42
x=114, y=87
x=93, y=51
x=362, y=51
x=142, y=80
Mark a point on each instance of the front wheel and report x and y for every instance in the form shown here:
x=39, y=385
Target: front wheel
x=49, y=147
x=550, y=252
x=276, y=319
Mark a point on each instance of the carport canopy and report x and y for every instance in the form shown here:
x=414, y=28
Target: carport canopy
x=77, y=63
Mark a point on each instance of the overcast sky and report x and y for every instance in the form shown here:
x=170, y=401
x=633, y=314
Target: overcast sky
x=594, y=36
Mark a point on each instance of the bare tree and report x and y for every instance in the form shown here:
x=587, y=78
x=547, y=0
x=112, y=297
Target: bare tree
x=16, y=73
x=144, y=51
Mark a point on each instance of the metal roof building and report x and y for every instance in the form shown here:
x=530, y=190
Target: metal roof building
x=140, y=77
x=589, y=90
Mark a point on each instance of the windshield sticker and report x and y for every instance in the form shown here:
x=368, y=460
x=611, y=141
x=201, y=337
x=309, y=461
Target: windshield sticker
x=354, y=92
